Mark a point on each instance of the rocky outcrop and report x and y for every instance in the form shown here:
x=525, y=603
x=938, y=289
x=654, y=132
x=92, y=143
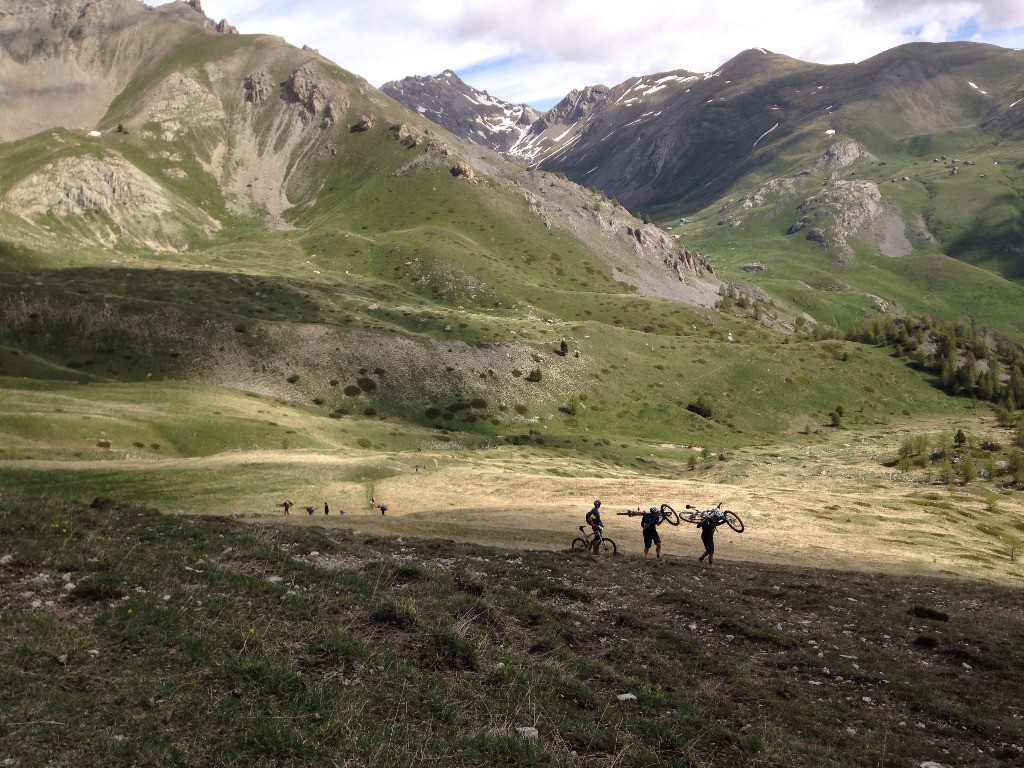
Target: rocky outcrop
x=307, y=88
x=259, y=87
x=843, y=153
x=365, y=123
x=463, y=170
x=109, y=201
x=407, y=135
x=843, y=210
x=221, y=26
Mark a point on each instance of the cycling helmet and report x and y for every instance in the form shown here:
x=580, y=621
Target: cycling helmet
x=654, y=510
x=597, y=503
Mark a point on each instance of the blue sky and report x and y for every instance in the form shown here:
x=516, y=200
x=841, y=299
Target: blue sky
x=536, y=51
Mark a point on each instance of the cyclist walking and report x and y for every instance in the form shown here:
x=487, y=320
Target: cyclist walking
x=649, y=523
x=707, y=525
x=594, y=521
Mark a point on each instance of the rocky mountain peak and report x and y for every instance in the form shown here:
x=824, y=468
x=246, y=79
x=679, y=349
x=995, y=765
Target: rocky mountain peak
x=465, y=111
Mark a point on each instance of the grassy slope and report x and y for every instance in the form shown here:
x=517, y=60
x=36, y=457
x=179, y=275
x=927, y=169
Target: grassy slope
x=134, y=638
x=971, y=212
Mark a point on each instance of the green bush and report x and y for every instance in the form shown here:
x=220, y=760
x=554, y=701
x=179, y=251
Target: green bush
x=703, y=406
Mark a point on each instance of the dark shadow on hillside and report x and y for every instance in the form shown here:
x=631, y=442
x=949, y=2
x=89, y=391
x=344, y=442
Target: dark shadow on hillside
x=1002, y=243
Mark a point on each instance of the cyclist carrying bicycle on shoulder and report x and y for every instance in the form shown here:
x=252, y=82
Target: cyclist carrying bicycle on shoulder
x=594, y=521
x=649, y=523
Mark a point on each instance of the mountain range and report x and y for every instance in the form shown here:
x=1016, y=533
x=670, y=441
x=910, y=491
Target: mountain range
x=682, y=138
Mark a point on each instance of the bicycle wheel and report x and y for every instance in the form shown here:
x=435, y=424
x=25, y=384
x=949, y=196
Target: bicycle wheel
x=733, y=521
x=607, y=548
x=579, y=543
x=694, y=517
x=669, y=515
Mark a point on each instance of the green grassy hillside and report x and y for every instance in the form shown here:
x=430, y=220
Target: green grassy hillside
x=130, y=638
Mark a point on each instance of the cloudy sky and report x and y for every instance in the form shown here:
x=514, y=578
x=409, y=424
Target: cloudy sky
x=536, y=51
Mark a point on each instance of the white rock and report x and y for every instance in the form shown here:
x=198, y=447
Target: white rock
x=528, y=732
x=626, y=697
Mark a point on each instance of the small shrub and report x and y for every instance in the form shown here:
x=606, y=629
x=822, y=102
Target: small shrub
x=366, y=384
x=352, y=390
x=534, y=375
x=703, y=406
x=293, y=379
x=921, y=612
x=395, y=615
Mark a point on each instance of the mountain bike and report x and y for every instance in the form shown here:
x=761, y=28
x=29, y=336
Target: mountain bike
x=668, y=514
x=731, y=519
x=606, y=548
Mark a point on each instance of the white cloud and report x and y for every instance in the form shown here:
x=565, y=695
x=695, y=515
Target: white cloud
x=553, y=47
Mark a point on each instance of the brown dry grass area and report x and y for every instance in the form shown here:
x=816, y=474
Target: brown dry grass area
x=832, y=505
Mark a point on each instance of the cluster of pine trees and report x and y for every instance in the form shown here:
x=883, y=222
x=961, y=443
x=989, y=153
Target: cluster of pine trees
x=967, y=361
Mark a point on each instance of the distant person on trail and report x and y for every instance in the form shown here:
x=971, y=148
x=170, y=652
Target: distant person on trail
x=707, y=525
x=287, y=506
x=649, y=523
x=594, y=521
x=327, y=510
x=383, y=509
x=310, y=510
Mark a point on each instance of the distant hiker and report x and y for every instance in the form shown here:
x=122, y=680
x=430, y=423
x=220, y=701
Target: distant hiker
x=373, y=502
x=649, y=523
x=287, y=506
x=594, y=521
x=707, y=525
x=310, y=510
x=327, y=510
x=383, y=509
